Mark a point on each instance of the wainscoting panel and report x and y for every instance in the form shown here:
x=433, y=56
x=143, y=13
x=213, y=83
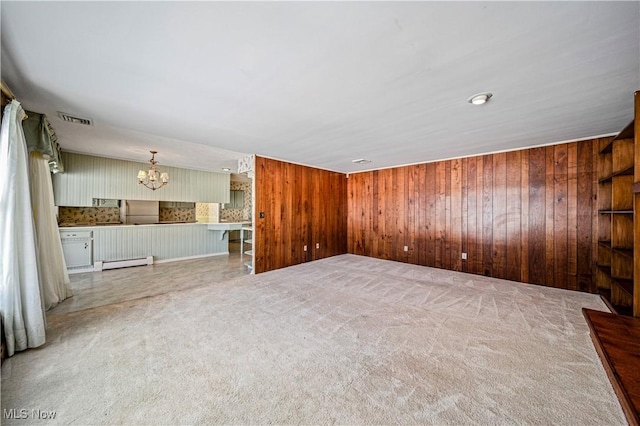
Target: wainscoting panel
x=526, y=215
x=163, y=242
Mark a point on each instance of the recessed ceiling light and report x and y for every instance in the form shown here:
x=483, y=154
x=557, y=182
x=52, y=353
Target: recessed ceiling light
x=360, y=161
x=480, y=98
x=226, y=169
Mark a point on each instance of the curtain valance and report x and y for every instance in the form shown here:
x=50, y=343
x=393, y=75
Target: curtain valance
x=42, y=138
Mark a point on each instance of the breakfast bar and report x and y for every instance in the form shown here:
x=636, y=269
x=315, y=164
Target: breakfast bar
x=164, y=242
x=223, y=228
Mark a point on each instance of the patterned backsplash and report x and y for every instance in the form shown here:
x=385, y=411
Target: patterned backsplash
x=202, y=210
x=208, y=212
x=177, y=215
x=89, y=215
x=237, y=215
x=93, y=215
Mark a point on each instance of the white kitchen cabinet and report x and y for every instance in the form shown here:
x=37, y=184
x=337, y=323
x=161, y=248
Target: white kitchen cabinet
x=236, y=198
x=102, y=202
x=87, y=177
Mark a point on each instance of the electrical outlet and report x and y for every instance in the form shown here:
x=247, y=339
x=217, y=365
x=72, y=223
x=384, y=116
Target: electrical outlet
x=304, y=248
x=317, y=245
x=464, y=256
x=406, y=248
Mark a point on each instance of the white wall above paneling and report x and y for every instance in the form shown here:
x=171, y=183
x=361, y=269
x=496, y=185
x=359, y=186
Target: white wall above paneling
x=87, y=177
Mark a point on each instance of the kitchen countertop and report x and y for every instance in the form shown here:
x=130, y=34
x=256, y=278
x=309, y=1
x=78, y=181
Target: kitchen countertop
x=122, y=225
x=227, y=226
x=223, y=227
x=76, y=226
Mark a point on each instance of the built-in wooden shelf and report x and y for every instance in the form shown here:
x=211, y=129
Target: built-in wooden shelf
x=604, y=268
x=624, y=172
x=616, y=336
x=617, y=341
x=626, y=133
x=623, y=252
x=623, y=284
x=615, y=211
x=614, y=277
x=626, y=285
x=605, y=295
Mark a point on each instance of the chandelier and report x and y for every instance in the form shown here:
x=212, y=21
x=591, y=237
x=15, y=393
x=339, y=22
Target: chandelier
x=153, y=179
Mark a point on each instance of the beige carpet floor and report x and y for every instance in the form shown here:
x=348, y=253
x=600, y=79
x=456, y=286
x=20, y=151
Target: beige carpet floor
x=346, y=340
x=91, y=290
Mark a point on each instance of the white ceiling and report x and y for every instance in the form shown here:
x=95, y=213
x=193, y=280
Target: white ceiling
x=205, y=83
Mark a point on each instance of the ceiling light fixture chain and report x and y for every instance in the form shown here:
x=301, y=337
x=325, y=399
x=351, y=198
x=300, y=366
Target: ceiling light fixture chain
x=153, y=179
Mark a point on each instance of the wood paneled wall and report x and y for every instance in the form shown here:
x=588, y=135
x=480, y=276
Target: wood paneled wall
x=527, y=215
x=301, y=206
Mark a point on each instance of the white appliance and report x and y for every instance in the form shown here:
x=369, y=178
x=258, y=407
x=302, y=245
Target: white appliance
x=77, y=247
x=135, y=212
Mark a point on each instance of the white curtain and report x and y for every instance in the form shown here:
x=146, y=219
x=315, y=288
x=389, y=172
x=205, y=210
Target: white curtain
x=53, y=269
x=20, y=302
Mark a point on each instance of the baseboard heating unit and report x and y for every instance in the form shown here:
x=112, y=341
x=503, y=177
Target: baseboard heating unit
x=100, y=266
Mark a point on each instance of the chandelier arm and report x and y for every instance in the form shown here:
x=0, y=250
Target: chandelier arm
x=152, y=177
x=151, y=185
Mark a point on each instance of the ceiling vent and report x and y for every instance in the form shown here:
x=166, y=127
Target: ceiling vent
x=73, y=119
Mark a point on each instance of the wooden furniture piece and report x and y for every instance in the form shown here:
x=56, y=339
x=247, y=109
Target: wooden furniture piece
x=615, y=256
x=617, y=341
x=636, y=204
